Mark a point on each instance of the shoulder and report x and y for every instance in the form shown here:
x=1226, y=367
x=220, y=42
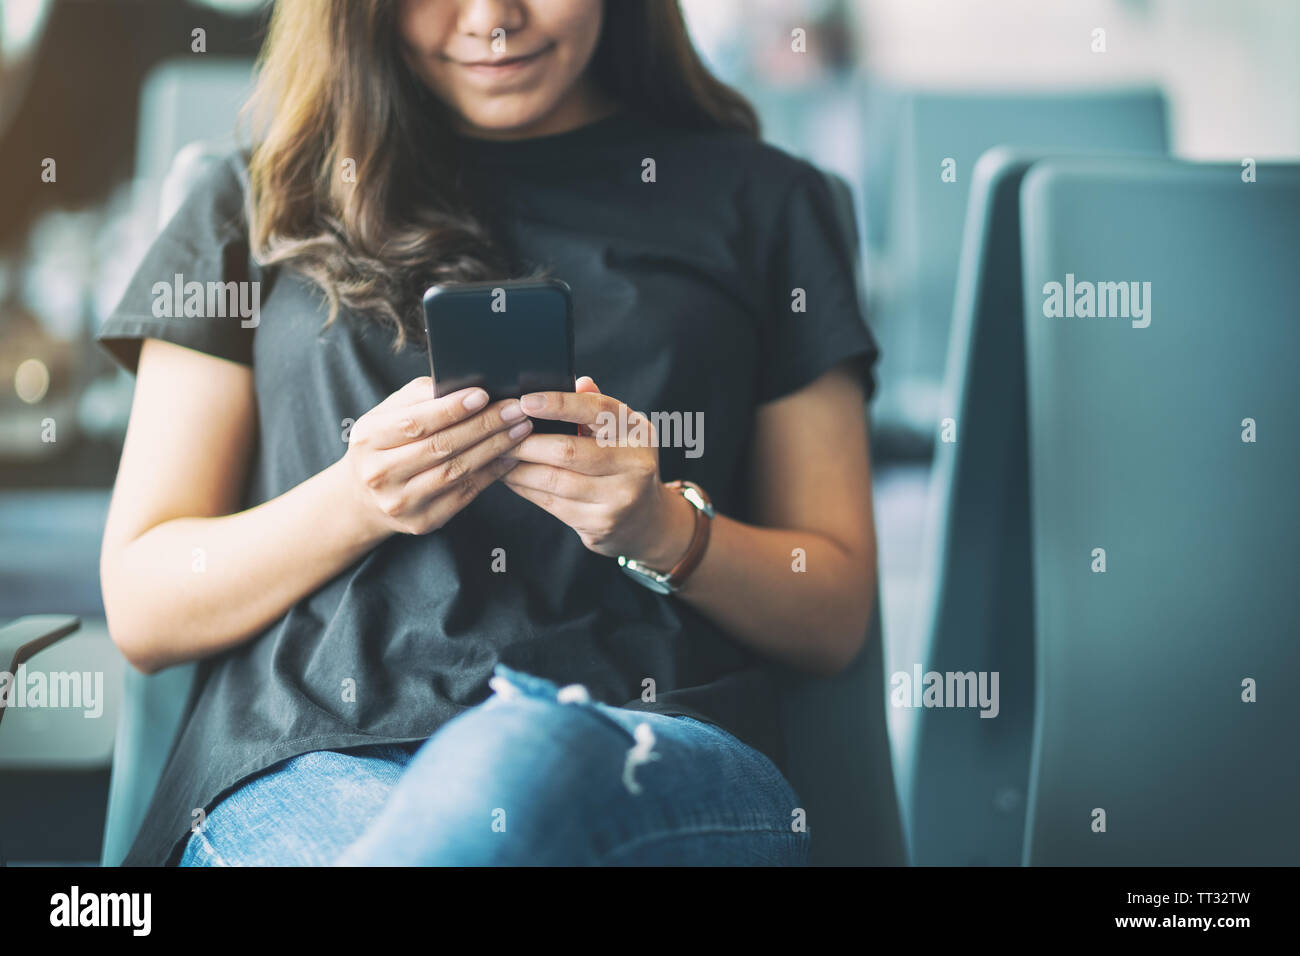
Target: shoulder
x=219, y=169
x=208, y=186
x=764, y=185
x=204, y=207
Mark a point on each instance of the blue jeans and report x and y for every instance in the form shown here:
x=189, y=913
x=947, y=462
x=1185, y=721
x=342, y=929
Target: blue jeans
x=535, y=775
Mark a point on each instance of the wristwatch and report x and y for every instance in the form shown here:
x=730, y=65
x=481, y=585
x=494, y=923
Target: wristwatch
x=671, y=581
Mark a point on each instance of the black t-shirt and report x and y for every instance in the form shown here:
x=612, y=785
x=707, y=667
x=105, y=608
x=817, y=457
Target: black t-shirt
x=682, y=292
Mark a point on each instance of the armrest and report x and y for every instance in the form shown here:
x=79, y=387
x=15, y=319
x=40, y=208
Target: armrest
x=25, y=637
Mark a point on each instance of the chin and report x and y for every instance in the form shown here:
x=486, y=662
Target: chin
x=503, y=117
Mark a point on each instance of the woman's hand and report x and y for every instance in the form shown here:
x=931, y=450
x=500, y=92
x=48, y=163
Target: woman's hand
x=414, y=461
x=602, y=484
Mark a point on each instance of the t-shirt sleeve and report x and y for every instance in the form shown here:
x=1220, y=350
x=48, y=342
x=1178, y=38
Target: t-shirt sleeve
x=815, y=322
x=196, y=285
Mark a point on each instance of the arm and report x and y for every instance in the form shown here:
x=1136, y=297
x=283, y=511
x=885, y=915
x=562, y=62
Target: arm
x=185, y=575
x=812, y=488
x=812, y=491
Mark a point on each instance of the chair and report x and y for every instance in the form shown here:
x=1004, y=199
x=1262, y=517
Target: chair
x=966, y=783
x=926, y=219
x=148, y=722
x=839, y=763
x=1136, y=447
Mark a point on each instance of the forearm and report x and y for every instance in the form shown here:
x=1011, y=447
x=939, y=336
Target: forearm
x=800, y=587
x=191, y=587
x=795, y=596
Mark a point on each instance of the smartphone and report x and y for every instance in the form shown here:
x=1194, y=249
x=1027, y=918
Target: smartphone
x=509, y=338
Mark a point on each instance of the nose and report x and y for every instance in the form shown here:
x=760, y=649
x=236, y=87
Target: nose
x=480, y=18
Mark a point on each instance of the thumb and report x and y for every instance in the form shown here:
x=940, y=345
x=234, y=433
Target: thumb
x=583, y=386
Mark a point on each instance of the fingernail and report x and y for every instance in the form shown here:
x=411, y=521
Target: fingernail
x=533, y=403
x=520, y=430
x=511, y=411
x=476, y=399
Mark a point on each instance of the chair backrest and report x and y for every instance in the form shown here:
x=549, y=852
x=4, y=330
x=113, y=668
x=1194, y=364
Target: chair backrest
x=147, y=723
x=965, y=785
x=927, y=215
x=1164, y=463
x=966, y=779
x=838, y=761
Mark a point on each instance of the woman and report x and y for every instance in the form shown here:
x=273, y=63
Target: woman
x=417, y=644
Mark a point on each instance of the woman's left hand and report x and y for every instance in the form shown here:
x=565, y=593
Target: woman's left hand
x=603, y=484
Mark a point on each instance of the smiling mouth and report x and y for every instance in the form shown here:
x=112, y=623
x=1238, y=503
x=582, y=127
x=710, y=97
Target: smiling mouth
x=503, y=64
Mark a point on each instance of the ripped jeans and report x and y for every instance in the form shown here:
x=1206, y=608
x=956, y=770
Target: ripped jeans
x=535, y=775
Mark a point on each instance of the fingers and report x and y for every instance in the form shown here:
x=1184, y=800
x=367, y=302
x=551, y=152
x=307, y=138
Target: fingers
x=581, y=408
x=428, y=472
x=576, y=514
x=417, y=504
x=441, y=432
x=408, y=420
x=585, y=383
x=452, y=500
x=574, y=452
x=557, y=482
x=416, y=390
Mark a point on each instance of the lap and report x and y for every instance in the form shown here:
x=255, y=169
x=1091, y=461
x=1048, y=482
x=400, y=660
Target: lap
x=536, y=774
x=301, y=812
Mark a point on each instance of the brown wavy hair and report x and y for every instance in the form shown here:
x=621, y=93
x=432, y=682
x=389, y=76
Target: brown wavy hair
x=333, y=85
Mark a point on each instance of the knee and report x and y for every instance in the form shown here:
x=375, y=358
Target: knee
x=523, y=780
x=536, y=746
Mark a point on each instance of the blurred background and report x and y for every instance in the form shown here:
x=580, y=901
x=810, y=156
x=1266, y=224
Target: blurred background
x=880, y=92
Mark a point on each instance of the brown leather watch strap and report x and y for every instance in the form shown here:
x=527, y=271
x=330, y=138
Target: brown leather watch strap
x=699, y=540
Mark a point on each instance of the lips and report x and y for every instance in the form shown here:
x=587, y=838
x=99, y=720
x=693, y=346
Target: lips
x=504, y=63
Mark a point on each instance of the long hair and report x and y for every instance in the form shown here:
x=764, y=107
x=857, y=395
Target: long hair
x=353, y=180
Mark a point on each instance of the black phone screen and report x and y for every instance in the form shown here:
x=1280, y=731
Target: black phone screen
x=509, y=338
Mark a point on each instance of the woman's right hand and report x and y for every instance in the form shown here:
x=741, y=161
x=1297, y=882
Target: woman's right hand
x=414, y=461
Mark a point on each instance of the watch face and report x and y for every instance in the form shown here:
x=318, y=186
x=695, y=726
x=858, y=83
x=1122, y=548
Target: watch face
x=646, y=580
x=657, y=586
x=696, y=496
